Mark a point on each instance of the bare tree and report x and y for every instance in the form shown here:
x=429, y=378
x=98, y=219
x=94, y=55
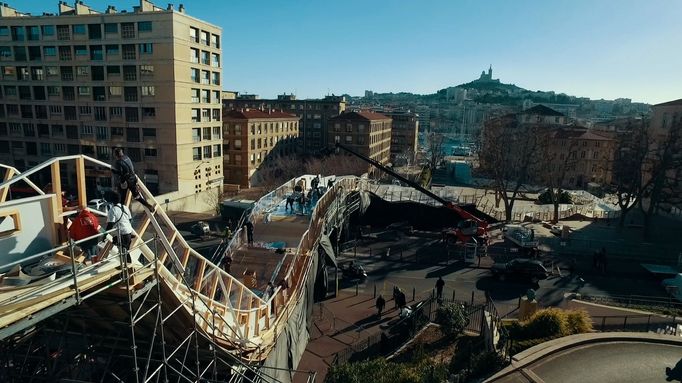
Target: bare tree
x=509, y=155
x=558, y=156
x=663, y=173
x=276, y=170
x=631, y=154
x=337, y=163
x=214, y=198
x=434, y=150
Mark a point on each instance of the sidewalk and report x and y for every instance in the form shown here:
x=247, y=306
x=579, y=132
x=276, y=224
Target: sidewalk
x=337, y=324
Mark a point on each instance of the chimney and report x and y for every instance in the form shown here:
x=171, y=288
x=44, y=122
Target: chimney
x=170, y=7
x=181, y=8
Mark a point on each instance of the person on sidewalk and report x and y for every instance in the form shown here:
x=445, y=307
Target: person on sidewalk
x=249, y=232
x=380, y=304
x=440, y=283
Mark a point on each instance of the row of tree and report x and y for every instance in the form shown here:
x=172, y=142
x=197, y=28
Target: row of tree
x=645, y=167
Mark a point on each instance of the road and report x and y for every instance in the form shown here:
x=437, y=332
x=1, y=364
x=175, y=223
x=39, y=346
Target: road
x=411, y=274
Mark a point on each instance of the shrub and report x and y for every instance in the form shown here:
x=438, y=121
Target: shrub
x=375, y=370
x=578, y=322
x=452, y=318
x=546, y=198
x=546, y=323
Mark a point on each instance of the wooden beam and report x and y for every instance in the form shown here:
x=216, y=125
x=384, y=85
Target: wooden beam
x=214, y=286
x=3, y=193
x=80, y=183
x=200, y=275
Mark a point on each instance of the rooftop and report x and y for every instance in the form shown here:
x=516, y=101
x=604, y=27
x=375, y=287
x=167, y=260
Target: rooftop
x=363, y=115
x=671, y=103
x=249, y=114
x=542, y=111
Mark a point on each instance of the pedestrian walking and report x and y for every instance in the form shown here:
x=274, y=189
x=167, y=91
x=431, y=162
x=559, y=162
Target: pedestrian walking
x=380, y=304
x=249, y=232
x=396, y=293
x=440, y=283
x=228, y=232
x=290, y=202
x=227, y=264
x=402, y=300
x=126, y=178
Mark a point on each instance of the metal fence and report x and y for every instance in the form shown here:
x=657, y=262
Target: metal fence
x=662, y=304
x=638, y=323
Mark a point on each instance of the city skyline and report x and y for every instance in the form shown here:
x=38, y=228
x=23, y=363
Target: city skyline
x=609, y=49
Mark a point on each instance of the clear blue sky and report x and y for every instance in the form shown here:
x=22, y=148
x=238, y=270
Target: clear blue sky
x=594, y=48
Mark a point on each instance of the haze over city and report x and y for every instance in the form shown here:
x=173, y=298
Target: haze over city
x=606, y=49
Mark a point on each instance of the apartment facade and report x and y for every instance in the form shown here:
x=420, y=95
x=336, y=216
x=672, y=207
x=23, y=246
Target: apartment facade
x=251, y=136
x=314, y=115
x=365, y=132
x=589, y=156
x=404, y=136
x=84, y=82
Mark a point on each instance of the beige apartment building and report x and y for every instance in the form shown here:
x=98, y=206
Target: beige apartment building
x=251, y=137
x=84, y=82
x=365, y=132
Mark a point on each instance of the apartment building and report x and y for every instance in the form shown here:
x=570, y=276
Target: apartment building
x=404, y=136
x=314, y=115
x=84, y=82
x=365, y=132
x=251, y=137
x=589, y=156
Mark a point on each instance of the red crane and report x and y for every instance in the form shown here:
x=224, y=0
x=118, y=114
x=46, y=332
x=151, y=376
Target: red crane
x=469, y=227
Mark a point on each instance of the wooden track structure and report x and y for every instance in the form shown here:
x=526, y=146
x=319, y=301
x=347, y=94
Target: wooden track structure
x=223, y=309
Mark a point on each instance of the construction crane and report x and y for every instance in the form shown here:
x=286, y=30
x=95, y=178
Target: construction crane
x=470, y=227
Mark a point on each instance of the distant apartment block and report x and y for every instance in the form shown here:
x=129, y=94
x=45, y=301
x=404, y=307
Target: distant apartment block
x=367, y=133
x=313, y=113
x=404, y=136
x=251, y=137
x=84, y=82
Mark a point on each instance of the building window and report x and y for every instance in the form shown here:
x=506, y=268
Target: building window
x=148, y=90
x=207, y=133
x=128, y=52
x=195, y=115
x=47, y=51
x=194, y=74
x=216, y=150
x=83, y=90
x=207, y=151
x=150, y=152
x=127, y=30
x=205, y=37
x=110, y=28
x=117, y=131
x=79, y=29
x=194, y=95
x=48, y=30
x=94, y=31
x=115, y=91
x=196, y=134
x=132, y=115
x=149, y=112
x=113, y=71
x=144, y=26
x=63, y=32
x=215, y=41
x=205, y=57
x=65, y=53
x=104, y=152
x=132, y=134
x=146, y=48
x=81, y=50
x=129, y=73
x=85, y=110
x=196, y=153
x=146, y=70
x=130, y=93
x=215, y=60
x=102, y=133
x=115, y=111
x=217, y=133
x=215, y=78
x=148, y=133
x=82, y=70
x=112, y=50
x=238, y=144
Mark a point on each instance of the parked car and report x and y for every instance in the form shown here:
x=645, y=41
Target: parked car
x=520, y=268
x=200, y=229
x=98, y=204
x=556, y=229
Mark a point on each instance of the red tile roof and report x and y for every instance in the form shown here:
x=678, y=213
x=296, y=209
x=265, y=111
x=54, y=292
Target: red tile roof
x=363, y=115
x=257, y=114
